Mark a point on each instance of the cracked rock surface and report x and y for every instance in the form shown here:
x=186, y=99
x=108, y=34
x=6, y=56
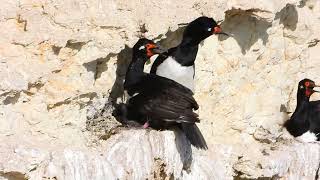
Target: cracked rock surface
x=62, y=64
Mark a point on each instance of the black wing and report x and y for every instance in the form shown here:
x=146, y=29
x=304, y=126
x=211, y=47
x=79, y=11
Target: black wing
x=163, y=99
x=167, y=103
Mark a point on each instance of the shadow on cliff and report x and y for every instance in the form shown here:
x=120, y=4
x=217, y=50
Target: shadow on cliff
x=100, y=119
x=246, y=28
x=99, y=65
x=173, y=38
x=123, y=61
x=288, y=16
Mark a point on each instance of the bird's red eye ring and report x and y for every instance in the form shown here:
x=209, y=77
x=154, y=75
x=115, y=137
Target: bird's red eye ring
x=307, y=84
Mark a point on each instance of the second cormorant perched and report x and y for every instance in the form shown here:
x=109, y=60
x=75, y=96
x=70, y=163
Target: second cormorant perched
x=304, y=123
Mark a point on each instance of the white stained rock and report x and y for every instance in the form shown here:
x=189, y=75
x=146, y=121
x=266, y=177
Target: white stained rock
x=61, y=61
x=140, y=154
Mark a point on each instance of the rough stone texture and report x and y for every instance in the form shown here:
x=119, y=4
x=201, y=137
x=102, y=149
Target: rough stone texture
x=62, y=61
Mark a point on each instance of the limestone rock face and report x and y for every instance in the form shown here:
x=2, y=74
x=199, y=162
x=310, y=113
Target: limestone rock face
x=62, y=64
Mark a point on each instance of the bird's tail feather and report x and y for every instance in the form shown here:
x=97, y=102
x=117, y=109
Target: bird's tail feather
x=194, y=135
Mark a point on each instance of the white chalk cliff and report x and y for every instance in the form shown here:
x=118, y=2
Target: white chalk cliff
x=61, y=61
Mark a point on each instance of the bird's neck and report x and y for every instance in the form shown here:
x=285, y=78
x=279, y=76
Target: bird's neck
x=298, y=123
x=302, y=103
x=186, y=52
x=189, y=41
x=135, y=71
x=302, y=99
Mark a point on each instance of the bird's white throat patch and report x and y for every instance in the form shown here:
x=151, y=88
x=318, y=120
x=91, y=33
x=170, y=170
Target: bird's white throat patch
x=171, y=69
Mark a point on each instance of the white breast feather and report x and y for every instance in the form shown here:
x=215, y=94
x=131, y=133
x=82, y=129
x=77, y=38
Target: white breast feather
x=171, y=69
x=307, y=137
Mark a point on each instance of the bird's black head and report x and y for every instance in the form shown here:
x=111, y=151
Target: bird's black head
x=146, y=48
x=305, y=88
x=201, y=28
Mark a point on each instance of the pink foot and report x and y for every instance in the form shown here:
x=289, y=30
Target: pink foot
x=146, y=125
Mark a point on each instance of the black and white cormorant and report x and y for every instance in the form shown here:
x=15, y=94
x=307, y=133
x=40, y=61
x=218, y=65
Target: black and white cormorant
x=178, y=63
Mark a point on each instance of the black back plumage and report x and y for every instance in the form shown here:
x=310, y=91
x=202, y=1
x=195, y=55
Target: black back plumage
x=162, y=102
x=164, y=99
